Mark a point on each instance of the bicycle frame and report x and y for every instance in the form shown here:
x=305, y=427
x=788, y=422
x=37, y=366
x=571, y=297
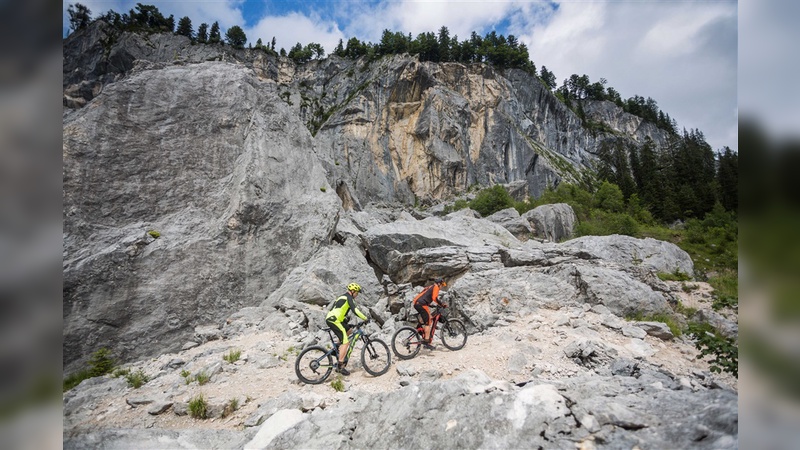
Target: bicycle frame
x=357, y=334
x=434, y=321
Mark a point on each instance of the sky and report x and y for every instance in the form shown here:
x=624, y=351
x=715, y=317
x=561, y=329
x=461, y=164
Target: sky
x=681, y=53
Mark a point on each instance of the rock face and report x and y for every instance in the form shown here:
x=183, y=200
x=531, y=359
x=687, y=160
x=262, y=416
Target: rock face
x=395, y=129
x=214, y=163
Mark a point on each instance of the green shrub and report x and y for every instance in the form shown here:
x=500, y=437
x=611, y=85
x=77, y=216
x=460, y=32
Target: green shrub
x=202, y=378
x=232, y=356
x=154, y=234
x=198, y=408
x=726, y=289
x=337, y=384
x=137, y=379
x=604, y=223
x=101, y=362
x=711, y=343
x=185, y=373
x=491, y=200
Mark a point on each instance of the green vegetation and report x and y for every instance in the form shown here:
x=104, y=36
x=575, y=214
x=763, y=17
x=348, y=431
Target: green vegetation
x=136, y=379
x=154, y=234
x=491, y=200
x=202, y=378
x=235, y=37
x=338, y=384
x=185, y=373
x=726, y=289
x=100, y=363
x=232, y=356
x=711, y=342
x=677, y=275
x=198, y=407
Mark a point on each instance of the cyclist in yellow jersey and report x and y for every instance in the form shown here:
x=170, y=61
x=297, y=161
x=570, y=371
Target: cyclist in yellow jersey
x=336, y=321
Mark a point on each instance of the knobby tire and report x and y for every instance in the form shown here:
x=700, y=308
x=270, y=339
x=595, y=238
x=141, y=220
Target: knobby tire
x=406, y=342
x=454, y=334
x=306, y=369
x=376, y=358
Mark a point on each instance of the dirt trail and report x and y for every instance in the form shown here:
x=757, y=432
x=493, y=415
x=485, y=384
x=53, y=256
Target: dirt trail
x=528, y=347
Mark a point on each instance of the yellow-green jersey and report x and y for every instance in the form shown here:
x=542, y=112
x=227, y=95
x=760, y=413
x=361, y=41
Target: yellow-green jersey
x=342, y=306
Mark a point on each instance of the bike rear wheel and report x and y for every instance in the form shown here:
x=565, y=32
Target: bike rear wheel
x=314, y=364
x=454, y=334
x=375, y=357
x=406, y=342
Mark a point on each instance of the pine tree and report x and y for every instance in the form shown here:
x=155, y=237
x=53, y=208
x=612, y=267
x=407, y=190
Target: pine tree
x=79, y=16
x=728, y=179
x=202, y=33
x=214, y=36
x=235, y=37
x=185, y=27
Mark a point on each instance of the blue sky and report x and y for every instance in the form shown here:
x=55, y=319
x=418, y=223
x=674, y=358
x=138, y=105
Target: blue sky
x=682, y=53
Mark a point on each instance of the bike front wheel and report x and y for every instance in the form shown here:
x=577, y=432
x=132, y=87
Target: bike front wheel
x=454, y=334
x=406, y=342
x=314, y=364
x=375, y=357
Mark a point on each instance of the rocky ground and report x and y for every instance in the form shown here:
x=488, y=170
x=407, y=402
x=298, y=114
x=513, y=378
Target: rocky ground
x=545, y=344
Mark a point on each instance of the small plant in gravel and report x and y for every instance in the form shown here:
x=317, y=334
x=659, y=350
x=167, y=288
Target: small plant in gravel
x=338, y=384
x=232, y=356
x=120, y=372
x=185, y=373
x=137, y=379
x=198, y=408
x=230, y=407
x=202, y=378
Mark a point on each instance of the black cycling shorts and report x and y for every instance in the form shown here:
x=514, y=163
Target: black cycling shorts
x=424, y=313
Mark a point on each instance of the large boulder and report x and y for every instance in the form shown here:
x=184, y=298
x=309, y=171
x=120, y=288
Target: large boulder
x=554, y=222
x=648, y=252
x=391, y=246
x=510, y=219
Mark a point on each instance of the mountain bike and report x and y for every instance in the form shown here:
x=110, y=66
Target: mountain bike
x=407, y=341
x=315, y=364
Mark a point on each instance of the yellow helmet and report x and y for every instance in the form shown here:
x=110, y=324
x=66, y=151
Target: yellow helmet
x=354, y=287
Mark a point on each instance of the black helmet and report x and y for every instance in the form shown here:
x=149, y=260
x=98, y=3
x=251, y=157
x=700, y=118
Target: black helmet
x=440, y=281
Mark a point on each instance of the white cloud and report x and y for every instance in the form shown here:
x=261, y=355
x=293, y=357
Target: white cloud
x=460, y=17
x=295, y=27
x=683, y=55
